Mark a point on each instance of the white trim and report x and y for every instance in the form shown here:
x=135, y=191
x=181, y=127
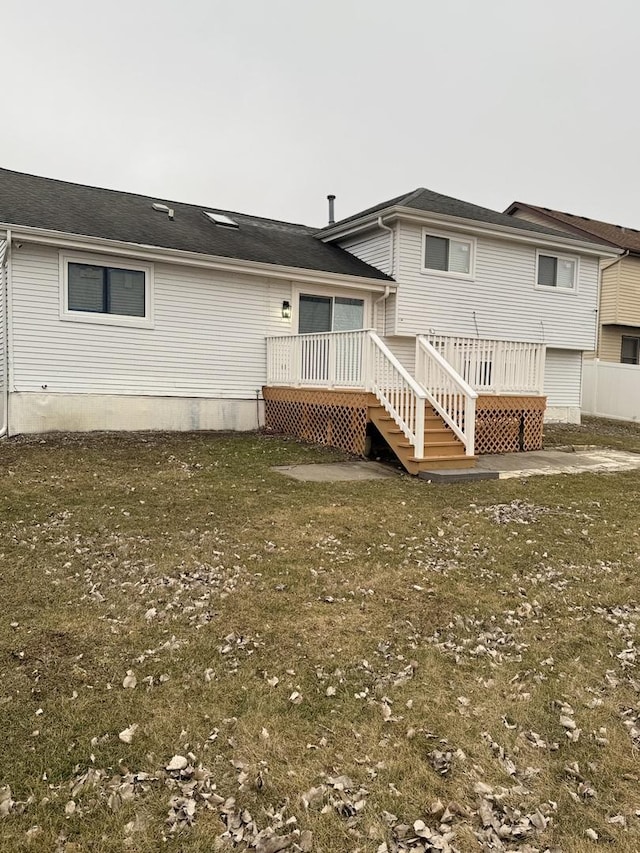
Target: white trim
x=470, y=276
x=61, y=239
x=547, y=288
x=441, y=220
x=146, y=322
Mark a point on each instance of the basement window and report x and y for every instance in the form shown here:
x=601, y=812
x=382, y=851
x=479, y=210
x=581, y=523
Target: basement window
x=108, y=291
x=221, y=219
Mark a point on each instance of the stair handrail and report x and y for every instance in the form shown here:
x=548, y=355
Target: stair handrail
x=454, y=399
x=402, y=397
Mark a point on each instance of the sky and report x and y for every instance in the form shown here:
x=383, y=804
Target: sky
x=266, y=106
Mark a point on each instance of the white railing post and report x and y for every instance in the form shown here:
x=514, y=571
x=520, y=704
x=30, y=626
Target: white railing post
x=542, y=357
x=470, y=425
x=419, y=407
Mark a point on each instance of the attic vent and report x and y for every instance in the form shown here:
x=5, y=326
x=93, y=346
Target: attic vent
x=220, y=219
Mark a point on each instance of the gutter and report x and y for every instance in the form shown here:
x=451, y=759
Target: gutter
x=615, y=260
x=473, y=226
x=179, y=257
x=5, y=258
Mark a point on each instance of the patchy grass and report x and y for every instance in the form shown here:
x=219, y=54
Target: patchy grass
x=332, y=662
x=623, y=435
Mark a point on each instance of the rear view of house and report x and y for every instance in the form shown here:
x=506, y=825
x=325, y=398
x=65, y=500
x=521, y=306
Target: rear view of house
x=451, y=328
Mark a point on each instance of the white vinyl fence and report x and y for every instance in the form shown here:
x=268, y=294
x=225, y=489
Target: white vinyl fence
x=611, y=390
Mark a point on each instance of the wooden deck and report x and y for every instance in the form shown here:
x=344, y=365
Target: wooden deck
x=339, y=418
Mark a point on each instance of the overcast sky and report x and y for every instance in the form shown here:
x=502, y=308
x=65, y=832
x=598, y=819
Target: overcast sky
x=265, y=106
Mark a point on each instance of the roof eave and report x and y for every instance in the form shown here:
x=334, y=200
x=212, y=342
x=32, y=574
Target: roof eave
x=549, y=215
x=67, y=240
x=468, y=225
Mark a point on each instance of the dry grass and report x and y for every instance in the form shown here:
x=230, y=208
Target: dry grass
x=409, y=618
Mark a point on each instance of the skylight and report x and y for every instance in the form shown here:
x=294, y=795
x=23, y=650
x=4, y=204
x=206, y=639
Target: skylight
x=220, y=219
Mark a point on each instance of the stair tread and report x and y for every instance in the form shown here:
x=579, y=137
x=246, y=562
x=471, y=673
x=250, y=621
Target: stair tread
x=438, y=459
x=455, y=443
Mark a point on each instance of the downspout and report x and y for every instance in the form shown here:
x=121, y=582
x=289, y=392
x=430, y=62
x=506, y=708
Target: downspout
x=384, y=227
x=387, y=290
x=5, y=259
x=382, y=298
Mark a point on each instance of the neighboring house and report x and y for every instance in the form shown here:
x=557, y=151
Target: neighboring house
x=619, y=309
x=438, y=321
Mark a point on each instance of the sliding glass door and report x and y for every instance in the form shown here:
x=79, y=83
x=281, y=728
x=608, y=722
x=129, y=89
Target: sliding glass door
x=330, y=359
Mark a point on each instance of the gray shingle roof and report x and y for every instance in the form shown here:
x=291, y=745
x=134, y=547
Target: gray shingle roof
x=428, y=201
x=89, y=211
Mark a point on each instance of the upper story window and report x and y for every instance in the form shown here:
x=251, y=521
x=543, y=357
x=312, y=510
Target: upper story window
x=557, y=271
x=107, y=291
x=448, y=255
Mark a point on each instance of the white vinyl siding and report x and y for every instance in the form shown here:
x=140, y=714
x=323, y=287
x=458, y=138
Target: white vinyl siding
x=372, y=248
x=208, y=339
x=501, y=302
x=563, y=377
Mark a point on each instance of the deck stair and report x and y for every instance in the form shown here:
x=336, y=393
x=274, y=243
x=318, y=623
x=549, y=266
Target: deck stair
x=442, y=448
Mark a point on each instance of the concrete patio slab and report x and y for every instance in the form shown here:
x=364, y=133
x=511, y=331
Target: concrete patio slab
x=599, y=460
x=595, y=460
x=333, y=472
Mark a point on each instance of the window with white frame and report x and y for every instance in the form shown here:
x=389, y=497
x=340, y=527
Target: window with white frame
x=107, y=291
x=448, y=254
x=556, y=271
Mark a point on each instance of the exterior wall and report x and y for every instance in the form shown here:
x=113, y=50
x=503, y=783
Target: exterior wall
x=500, y=302
x=609, y=288
x=628, y=296
x=610, y=345
x=538, y=219
x=207, y=343
x=35, y=413
x=611, y=390
x=374, y=248
x=562, y=386
x=371, y=247
x=404, y=350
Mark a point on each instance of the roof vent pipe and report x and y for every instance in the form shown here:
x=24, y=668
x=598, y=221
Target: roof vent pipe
x=332, y=218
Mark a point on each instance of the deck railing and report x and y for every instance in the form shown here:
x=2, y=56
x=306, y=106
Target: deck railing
x=493, y=366
x=355, y=359
x=448, y=393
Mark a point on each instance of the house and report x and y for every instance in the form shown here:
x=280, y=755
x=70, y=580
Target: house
x=448, y=328
x=619, y=309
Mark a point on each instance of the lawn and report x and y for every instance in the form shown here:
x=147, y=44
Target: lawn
x=199, y=654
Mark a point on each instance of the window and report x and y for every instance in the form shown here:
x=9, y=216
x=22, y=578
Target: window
x=630, y=350
x=329, y=314
x=107, y=291
x=556, y=271
x=448, y=255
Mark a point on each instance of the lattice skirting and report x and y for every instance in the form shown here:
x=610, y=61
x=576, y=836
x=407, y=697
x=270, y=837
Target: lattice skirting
x=339, y=419
x=322, y=416
x=509, y=424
